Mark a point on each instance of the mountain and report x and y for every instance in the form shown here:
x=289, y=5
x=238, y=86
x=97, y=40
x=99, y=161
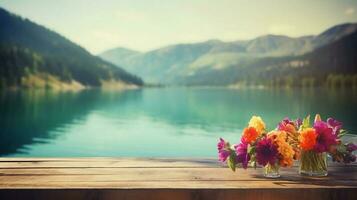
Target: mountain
x=276, y=45
x=164, y=64
x=119, y=55
x=334, y=34
x=332, y=65
x=165, y=61
x=34, y=56
x=176, y=64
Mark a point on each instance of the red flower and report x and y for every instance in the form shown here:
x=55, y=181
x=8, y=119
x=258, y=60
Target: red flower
x=250, y=134
x=266, y=152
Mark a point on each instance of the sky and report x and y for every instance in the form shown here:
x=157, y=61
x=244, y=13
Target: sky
x=149, y=24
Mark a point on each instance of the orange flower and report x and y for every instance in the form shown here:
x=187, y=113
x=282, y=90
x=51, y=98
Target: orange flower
x=308, y=139
x=288, y=128
x=292, y=138
x=284, y=148
x=250, y=134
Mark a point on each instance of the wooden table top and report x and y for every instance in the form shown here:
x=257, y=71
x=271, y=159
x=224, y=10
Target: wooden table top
x=149, y=177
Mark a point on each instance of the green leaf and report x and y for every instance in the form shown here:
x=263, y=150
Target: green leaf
x=250, y=149
x=342, y=148
x=306, y=122
x=342, y=133
x=231, y=162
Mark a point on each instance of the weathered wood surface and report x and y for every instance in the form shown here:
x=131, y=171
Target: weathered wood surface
x=135, y=178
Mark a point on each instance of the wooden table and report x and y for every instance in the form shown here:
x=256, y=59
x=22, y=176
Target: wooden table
x=149, y=179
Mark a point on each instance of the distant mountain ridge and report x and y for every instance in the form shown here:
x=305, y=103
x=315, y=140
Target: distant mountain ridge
x=168, y=64
x=118, y=55
x=331, y=65
x=34, y=56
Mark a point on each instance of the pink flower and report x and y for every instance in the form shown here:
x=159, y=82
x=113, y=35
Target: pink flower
x=266, y=152
x=325, y=137
x=242, y=154
x=223, y=150
x=288, y=125
x=335, y=125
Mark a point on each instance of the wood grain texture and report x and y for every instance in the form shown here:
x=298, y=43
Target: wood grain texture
x=143, y=178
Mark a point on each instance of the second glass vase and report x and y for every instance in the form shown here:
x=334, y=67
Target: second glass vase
x=313, y=164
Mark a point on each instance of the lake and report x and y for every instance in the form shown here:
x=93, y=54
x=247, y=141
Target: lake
x=152, y=122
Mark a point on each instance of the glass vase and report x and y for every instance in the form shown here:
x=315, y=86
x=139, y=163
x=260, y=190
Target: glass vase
x=271, y=171
x=313, y=163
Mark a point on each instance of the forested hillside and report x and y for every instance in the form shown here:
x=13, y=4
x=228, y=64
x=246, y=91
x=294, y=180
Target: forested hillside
x=33, y=56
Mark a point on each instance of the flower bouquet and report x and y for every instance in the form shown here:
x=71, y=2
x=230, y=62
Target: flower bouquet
x=319, y=140
x=271, y=150
x=289, y=141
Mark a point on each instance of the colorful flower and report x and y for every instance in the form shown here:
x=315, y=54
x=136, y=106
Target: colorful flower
x=281, y=146
x=250, y=134
x=223, y=150
x=291, y=129
x=308, y=139
x=343, y=152
x=335, y=125
x=257, y=123
x=350, y=147
x=288, y=125
x=325, y=137
x=284, y=148
x=242, y=154
x=266, y=152
x=298, y=123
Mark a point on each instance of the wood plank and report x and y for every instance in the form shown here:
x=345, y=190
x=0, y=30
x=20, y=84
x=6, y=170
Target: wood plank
x=349, y=173
x=140, y=178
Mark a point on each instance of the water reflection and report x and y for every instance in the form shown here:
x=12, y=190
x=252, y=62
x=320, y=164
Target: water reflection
x=151, y=122
x=28, y=117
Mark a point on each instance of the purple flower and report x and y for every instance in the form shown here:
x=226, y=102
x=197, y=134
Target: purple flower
x=223, y=150
x=298, y=122
x=266, y=152
x=335, y=125
x=325, y=137
x=242, y=154
x=283, y=123
x=348, y=158
x=351, y=147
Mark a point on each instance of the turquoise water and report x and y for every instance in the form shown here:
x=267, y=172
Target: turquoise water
x=153, y=122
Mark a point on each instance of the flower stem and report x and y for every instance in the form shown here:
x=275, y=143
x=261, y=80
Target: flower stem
x=313, y=164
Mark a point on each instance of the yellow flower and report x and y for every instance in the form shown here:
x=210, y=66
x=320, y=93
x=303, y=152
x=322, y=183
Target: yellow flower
x=257, y=123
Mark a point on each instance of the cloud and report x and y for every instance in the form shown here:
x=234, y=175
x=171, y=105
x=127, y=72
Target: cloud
x=349, y=11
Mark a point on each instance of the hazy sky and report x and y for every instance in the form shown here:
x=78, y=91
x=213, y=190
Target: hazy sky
x=148, y=24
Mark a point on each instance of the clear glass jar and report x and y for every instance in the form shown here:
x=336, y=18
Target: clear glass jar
x=271, y=171
x=313, y=163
